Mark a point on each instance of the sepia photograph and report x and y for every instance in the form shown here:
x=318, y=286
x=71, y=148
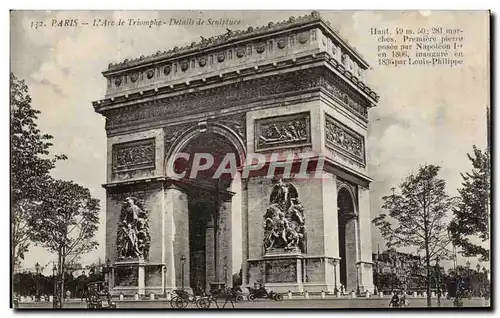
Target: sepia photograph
x=225, y=159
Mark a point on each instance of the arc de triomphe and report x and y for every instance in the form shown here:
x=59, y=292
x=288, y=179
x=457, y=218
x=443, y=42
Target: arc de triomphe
x=290, y=87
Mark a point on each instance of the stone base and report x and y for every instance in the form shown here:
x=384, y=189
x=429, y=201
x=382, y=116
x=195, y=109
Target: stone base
x=365, y=288
x=283, y=252
x=319, y=287
x=129, y=278
x=284, y=287
x=126, y=291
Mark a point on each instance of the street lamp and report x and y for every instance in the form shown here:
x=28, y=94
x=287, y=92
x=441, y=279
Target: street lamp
x=335, y=275
x=37, y=269
x=358, y=292
x=183, y=260
x=164, y=268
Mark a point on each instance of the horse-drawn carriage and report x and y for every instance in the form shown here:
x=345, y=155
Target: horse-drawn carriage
x=218, y=292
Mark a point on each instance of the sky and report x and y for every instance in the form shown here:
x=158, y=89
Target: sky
x=425, y=115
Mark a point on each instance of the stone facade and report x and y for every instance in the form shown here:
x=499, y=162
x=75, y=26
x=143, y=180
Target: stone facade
x=289, y=87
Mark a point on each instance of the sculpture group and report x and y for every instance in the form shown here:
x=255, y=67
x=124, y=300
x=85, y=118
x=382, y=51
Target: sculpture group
x=284, y=223
x=133, y=238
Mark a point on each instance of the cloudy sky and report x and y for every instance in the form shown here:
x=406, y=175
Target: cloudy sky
x=425, y=115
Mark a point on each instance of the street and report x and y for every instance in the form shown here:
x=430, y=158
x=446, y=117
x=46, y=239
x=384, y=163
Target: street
x=298, y=303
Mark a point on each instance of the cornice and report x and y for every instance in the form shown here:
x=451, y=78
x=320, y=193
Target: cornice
x=202, y=83
x=232, y=37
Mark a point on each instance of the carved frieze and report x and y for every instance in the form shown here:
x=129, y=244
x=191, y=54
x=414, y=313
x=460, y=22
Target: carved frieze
x=209, y=100
x=126, y=276
x=134, y=155
x=282, y=131
x=235, y=94
x=348, y=95
x=344, y=140
x=281, y=271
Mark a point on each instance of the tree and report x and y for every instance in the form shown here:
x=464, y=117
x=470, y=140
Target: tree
x=416, y=217
x=471, y=216
x=66, y=223
x=30, y=165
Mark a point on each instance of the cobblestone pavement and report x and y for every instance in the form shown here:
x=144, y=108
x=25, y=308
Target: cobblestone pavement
x=294, y=303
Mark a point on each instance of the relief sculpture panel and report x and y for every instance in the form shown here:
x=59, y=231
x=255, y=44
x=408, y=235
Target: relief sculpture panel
x=283, y=131
x=282, y=271
x=134, y=155
x=344, y=141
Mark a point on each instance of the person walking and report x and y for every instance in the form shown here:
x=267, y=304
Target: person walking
x=404, y=300
x=394, y=301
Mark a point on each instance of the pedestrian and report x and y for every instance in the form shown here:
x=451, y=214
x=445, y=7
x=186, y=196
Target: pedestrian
x=68, y=295
x=404, y=300
x=341, y=289
x=394, y=301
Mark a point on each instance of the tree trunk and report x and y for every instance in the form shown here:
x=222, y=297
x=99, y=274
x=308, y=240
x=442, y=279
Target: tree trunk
x=61, y=290
x=428, y=263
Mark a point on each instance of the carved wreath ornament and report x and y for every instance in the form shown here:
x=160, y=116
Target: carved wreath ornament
x=260, y=48
x=134, y=77
x=240, y=52
x=167, y=69
x=281, y=43
x=150, y=74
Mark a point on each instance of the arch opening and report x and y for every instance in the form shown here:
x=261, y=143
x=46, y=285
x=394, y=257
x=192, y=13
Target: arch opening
x=347, y=240
x=212, y=216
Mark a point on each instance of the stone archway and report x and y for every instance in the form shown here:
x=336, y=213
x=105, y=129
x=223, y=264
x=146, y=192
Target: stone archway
x=213, y=219
x=348, y=239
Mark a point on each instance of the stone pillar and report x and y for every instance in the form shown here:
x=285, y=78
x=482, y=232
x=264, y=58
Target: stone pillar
x=141, y=279
x=244, y=232
x=330, y=229
x=351, y=229
x=224, y=244
x=364, y=239
x=209, y=254
x=176, y=237
x=236, y=227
